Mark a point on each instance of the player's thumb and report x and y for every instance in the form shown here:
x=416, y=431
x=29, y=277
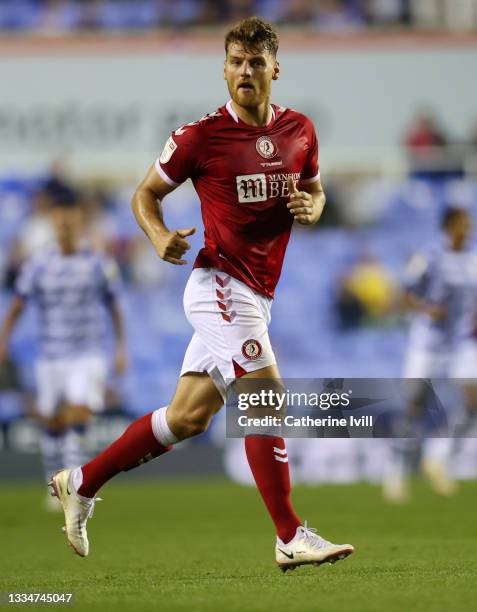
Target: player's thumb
x=183, y=233
x=291, y=185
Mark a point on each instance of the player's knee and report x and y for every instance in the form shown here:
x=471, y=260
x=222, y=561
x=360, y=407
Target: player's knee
x=193, y=421
x=198, y=421
x=75, y=414
x=53, y=424
x=195, y=429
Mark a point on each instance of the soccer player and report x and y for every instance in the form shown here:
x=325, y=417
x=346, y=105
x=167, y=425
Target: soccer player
x=69, y=286
x=254, y=166
x=442, y=295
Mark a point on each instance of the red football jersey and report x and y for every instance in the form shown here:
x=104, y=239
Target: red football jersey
x=240, y=173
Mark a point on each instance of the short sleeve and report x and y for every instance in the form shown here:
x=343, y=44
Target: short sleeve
x=179, y=159
x=311, y=169
x=26, y=280
x=110, y=279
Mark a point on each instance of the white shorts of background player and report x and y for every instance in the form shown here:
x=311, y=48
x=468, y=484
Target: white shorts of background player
x=77, y=381
x=461, y=363
x=425, y=363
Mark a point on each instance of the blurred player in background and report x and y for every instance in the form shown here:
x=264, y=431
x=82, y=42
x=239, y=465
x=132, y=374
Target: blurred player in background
x=69, y=286
x=245, y=161
x=442, y=294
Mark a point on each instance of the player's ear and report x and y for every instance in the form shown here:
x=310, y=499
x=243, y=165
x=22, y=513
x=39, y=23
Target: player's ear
x=276, y=70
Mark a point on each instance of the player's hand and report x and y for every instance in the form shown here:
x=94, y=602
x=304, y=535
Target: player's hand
x=301, y=204
x=436, y=312
x=172, y=245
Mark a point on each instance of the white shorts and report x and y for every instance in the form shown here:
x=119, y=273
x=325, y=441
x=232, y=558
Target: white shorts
x=460, y=363
x=76, y=381
x=230, y=321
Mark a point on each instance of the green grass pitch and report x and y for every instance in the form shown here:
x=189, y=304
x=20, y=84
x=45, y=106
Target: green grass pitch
x=193, y=546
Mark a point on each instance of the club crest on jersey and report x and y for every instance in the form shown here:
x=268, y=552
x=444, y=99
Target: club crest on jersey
x=252, y=349
x=168, y=150
x=265, y=147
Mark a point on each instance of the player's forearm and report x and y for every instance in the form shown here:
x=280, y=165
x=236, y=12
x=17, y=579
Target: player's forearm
x=147, y=209
x=118, y=323
x=11, y=319
x=319, y=201
x=419, y=305
x=120, y=358
x=413, y=302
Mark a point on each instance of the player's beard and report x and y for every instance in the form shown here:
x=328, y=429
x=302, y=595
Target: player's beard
x=246, y=101
x=248, y=98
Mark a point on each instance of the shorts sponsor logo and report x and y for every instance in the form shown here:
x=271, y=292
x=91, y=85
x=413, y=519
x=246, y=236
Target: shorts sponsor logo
x=168, y=150
x=252, y=349
x=265, y=147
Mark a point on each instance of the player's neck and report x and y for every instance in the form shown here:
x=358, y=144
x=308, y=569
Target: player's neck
x=67, y=249
x=458, y=245
x=256, y=116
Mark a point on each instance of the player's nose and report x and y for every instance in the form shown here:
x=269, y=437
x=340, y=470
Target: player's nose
x=246, y=69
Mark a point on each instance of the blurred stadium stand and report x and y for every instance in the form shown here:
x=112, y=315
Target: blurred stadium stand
x=309, y=338
x=342, y=16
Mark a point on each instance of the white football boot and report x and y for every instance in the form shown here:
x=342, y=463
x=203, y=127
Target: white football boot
x=308, y=548
x=77, y=511
x=438, y=475
x=396, y=489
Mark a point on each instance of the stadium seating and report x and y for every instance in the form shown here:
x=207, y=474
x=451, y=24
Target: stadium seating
x=304, y=328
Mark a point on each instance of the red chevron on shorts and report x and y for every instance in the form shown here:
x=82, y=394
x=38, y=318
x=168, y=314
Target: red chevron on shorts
x=223, y=295
x=222, y=282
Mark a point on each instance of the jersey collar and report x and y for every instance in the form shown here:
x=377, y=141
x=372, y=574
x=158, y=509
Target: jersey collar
x=235, y=117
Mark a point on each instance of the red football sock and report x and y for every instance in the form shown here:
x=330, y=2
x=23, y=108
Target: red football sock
x=268, y=461
x=136, y=446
